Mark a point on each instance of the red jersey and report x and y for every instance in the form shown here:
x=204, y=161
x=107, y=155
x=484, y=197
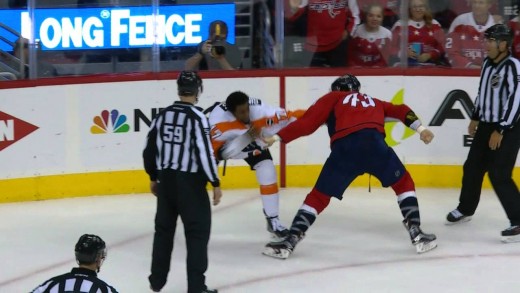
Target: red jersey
x=369, y=49
x=427, y=39
x=344, y=113
x=464, y=45
x=326, y=22
x=514, y=24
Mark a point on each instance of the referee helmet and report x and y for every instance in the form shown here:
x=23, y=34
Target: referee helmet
x=499, y=32
x=346, y=83
x=189, y=83
x=89, y=249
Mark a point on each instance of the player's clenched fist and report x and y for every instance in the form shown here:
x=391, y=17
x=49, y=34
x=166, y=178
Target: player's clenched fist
x=426, y=136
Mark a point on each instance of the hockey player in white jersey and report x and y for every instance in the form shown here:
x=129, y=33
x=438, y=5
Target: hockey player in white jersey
x=232, y=126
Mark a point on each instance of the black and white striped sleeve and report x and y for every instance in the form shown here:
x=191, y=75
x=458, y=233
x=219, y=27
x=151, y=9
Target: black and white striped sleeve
x=150, y=152
x=42, y=287
x=476, y=110
x=511, y=107
x=206, y=154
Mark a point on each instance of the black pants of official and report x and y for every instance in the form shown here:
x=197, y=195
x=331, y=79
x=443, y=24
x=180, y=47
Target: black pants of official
x=499, y=164
x=181, y=194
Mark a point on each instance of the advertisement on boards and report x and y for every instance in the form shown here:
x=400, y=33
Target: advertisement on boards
x=119, y=27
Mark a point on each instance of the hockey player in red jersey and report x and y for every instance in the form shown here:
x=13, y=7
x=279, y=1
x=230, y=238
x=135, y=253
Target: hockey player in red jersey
x=355, y=124
x=464, y=41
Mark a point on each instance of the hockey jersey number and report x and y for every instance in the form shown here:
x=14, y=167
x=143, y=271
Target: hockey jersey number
x=355, y=99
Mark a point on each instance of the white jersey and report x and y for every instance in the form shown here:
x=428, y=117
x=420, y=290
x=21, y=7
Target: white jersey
x=225, y=127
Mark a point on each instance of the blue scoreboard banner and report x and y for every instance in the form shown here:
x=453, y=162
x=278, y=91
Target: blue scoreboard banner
x=119, y=27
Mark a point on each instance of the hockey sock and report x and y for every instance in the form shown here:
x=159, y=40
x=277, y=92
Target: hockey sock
x=404, y=184
x=317, y=200
x=405, y=191
x=266, y=177
x=270, y=199
x=409, y=207
x=302, y=221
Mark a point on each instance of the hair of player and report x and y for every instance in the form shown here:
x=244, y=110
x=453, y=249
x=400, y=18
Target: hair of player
x=236, y=99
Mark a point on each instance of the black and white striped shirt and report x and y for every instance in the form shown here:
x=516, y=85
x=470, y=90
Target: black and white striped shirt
x=179, y=140
x=498, y=99
x=79, y=280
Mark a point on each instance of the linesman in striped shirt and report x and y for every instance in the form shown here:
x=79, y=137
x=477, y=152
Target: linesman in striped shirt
x=179, y=159
x=90, y=253
x=495, y=129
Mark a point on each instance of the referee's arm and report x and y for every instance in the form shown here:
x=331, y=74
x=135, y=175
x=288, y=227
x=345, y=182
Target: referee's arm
x=150, y=153
x=511, y=112
x=203, y=142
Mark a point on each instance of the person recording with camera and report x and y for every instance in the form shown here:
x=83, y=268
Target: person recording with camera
x=216, y=52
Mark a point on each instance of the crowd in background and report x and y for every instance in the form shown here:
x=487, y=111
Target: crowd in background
x=333, y=33
x=368, y=33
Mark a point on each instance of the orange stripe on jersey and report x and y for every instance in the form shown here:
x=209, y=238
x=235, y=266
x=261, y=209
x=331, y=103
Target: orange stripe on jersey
x=296, y=113
x=219, y=129
x=230, y=125
x=275, y=119
x=269, y=189
x=265, y=122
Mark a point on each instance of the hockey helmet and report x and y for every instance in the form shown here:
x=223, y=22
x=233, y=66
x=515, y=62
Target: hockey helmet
x=189, y=83
x=499, y=32
x=347, y=82
x=89, y=249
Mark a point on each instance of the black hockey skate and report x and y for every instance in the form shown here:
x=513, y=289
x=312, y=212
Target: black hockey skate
x=456, y=217
x=423, y=242
x=277, y=230
x=511, y=234
x=282, y=249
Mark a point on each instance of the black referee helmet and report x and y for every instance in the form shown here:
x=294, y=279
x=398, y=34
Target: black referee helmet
x=499, y=32
x=89, y=249
x=189, y=83
x=346, y=83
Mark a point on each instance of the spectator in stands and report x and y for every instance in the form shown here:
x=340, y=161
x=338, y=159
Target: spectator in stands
x=329, y=25
x=216, y=52
x=464, y=41
x=370, y=41
x=390, y=10
x=445, y=11
x=43, y=68
x=514, y=24
x=425, y=37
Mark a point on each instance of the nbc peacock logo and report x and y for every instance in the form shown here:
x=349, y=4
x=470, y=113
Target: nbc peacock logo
x=109, y=122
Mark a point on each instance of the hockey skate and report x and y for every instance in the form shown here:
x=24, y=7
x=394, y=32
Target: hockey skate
x=282, y=249
x=423, y=242
x=277, y=230
x=456, y=217
x=511, y=234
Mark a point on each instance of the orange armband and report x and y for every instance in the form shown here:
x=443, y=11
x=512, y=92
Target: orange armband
x=296, y=113
x=265, y=122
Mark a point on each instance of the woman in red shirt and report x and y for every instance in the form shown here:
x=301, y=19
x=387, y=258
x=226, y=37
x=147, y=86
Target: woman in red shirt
x=425, y=37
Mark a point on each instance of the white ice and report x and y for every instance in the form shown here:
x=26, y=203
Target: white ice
x=356, y=245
